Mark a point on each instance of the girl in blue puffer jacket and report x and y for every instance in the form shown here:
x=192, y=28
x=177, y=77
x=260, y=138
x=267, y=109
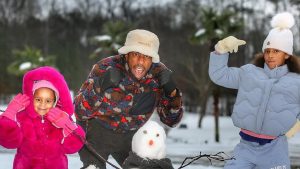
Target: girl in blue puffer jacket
x=268, y=101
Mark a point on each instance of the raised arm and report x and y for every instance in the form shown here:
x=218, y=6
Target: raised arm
x=170, y=105
x=11, y=134
x=219, y=71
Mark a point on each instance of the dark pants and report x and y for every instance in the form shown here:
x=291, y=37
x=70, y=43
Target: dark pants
x=106, y=142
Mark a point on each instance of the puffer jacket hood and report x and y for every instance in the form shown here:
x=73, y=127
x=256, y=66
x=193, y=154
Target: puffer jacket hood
x=293, y=62
x=52, y=75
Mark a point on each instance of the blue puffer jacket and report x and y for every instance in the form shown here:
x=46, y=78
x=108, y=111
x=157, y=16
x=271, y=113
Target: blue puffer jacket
x=268, y=101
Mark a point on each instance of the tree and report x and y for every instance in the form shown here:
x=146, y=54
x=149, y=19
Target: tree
x=18, y=10
x=113, y=38
x=214, y=26
x=27, y=59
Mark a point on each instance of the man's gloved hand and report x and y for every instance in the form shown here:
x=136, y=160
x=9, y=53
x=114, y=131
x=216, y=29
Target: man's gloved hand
x=17, y=104
x=229, y=44
x=293, y=130
x=166, y=81
x=111, y=78
x=61, y=119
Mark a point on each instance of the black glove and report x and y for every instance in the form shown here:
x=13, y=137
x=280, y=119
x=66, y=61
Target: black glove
x=166, y=81
x=111, y=78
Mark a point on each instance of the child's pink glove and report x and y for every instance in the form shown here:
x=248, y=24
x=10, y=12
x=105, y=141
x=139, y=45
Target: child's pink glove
x=17, y=104
x=61, y=119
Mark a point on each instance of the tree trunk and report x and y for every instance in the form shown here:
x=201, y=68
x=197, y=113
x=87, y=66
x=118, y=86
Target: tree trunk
x=216, y=114
x=202, y=112
x=203, y=104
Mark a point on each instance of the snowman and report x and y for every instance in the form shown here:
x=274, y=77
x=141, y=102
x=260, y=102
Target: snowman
x=148, y=148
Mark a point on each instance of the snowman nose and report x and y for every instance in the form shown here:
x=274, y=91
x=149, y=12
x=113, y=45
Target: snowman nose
x=151, y=142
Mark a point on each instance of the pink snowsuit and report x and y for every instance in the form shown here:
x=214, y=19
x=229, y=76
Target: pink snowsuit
x=40, y=145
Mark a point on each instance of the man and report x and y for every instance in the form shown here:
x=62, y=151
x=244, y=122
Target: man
x=121, y=93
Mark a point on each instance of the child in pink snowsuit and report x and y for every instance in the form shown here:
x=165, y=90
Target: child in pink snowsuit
x=37, y=123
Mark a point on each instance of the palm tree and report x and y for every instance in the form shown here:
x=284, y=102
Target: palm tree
x=113, y=38
x=215, y=26
x=27, y=59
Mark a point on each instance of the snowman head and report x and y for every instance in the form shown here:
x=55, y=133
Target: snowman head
x=149, y=141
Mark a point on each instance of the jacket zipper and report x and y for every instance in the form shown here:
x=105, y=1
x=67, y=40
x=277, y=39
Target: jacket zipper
x=43, y=121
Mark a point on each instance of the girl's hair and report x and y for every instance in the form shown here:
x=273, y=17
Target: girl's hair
x=293, y=62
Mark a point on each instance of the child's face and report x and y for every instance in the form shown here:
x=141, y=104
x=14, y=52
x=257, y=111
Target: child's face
x=43, y=100
x=274, y=58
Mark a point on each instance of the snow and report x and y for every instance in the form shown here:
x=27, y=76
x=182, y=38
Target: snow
x=101, y=38
x=185, y=142
x=25, y=65
x=200, y=32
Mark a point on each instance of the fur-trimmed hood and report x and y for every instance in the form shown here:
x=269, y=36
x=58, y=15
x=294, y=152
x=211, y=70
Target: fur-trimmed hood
x=57, y=79
x=293, y=62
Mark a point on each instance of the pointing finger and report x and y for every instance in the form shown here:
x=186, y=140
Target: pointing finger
x=241, y=42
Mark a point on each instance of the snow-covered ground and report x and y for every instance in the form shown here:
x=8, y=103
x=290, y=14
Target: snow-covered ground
x=186, y=142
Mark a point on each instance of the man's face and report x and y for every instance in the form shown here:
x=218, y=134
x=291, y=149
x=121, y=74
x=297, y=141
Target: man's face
x=139, y=64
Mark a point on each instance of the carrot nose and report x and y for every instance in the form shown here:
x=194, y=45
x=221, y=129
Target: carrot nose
x=151, y=142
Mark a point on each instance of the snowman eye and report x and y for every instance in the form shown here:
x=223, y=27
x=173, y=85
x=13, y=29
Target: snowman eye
x=145, y=131
x=157, y=135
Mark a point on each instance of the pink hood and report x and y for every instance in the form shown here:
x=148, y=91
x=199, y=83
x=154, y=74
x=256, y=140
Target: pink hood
x=52, y=75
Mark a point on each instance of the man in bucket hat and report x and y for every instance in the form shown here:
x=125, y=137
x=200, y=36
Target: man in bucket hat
x=121, y=93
